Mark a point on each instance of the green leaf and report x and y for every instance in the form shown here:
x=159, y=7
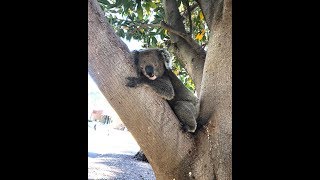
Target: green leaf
x=162, y=35
x=148, y=40
x=157, y=16
x=131, y=17
x=129, y=36
x=112, y=11
x=154, y=41
x=127, y=5
x=152, y=4
x=140, y=11
x=118, y=3
x=121, y=33
x=106, y=2
x=147, y=7
x=152, y=33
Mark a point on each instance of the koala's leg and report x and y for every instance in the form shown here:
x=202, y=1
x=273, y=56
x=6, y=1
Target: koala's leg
x=186, y=113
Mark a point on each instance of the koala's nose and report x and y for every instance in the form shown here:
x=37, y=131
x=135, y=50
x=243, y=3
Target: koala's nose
x=149, y=70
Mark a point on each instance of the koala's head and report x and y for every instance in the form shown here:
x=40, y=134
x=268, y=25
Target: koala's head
x=152, y=62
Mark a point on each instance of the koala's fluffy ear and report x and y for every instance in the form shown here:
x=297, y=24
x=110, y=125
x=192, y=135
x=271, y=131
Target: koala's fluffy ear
x=135, y=55
x=167, y=58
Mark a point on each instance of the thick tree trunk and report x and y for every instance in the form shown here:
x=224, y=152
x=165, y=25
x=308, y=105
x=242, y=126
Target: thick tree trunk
x=216, y=95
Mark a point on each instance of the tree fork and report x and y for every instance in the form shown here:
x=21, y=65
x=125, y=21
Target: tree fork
x=148, y=117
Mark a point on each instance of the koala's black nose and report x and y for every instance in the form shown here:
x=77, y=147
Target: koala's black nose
x=149, y=70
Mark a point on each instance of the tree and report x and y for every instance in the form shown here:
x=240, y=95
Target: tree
x=172, y=153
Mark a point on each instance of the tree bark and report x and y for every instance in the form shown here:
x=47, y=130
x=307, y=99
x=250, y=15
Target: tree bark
x=211, y=10
x=216, y=94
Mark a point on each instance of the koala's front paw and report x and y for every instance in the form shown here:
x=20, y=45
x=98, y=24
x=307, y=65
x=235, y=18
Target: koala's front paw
x=132, y=82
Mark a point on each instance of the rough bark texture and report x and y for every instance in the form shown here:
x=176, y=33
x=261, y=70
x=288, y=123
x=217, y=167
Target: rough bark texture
x=191, y=55
x=216, y=95
x=211, y=10
x=148, y=117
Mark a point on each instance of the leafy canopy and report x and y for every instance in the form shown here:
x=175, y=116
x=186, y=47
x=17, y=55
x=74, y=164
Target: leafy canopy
x=140, y=20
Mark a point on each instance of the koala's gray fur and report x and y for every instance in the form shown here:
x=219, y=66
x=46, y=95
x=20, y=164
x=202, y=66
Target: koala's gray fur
x=154, y=70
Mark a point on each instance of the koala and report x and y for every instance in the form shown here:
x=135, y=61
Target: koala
x=154, y=70
x=151, y=67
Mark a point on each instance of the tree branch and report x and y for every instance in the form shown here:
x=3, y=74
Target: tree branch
x=148, y=117
x=150, y=25
x=192, y=7
x=212, y=10
x=185, y=36
x=188, y=51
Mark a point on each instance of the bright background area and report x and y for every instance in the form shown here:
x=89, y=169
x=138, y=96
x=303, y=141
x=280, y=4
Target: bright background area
x=95, y=98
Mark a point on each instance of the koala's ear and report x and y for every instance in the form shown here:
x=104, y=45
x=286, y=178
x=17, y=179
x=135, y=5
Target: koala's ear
x=135, y=55
x=166, y=58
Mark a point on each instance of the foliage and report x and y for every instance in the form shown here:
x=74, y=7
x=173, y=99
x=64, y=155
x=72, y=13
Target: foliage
x=140, y=20
x=183, y=75
x=131, y=19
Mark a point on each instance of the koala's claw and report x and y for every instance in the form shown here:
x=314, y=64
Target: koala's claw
x=184, y=127
x=132, y=81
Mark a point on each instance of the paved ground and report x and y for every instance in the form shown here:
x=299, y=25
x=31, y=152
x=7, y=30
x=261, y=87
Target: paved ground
x=110, y=156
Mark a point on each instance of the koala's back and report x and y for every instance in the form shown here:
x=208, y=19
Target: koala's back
x=184, y=103
x=181, y=92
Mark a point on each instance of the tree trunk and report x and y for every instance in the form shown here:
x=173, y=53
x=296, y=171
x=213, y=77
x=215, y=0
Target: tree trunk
x=216, y=94
x=171, y=153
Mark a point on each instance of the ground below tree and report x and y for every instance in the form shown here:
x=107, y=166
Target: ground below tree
x=110, y=156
